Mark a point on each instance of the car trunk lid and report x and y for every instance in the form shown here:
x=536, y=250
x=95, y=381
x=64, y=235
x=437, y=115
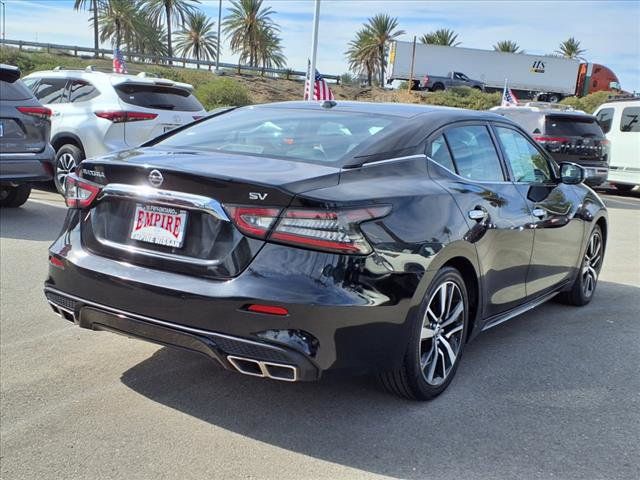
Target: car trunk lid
x=575, y=138
x=150, y=189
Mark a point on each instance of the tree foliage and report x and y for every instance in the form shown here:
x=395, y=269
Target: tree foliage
x=508, y=46
x=570, y=48
x=442, y=36
x=197, y=39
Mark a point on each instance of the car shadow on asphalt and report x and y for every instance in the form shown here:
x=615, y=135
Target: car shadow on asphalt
x=528, y=382
x=33, y=221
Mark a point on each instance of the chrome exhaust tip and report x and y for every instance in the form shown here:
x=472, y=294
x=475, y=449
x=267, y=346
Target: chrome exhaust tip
x=63, y=312
x=259, y=368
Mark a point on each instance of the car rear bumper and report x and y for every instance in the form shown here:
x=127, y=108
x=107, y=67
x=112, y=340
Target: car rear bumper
x=27, y=167
x=333, y=323
x=232, y=353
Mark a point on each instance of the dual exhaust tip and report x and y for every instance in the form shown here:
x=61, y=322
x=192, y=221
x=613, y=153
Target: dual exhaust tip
x=63, y=312
x=259, y=368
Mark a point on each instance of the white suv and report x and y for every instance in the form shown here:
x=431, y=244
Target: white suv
x=95, y=113
x=620, y=121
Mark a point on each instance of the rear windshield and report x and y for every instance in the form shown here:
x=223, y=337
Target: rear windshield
x=158, y=97
x=572, y=126
x=14, y=91
x=308, y=136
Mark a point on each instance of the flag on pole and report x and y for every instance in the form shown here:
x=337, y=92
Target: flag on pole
x=118, y=62
x=321, y=89
x=508, y=97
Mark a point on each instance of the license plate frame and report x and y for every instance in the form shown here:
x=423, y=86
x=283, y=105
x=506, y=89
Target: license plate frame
x=157, y=225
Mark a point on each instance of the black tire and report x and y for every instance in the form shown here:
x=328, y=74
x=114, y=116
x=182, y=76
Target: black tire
x=624, y=188
x=68, y=157
x=437, y=87
x=411, y=379
x=554, y=97
x=13, y=197
x=584, y=286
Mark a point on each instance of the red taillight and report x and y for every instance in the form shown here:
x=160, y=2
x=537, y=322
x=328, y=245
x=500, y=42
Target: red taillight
x=328, y=230
x=268, y=309
x=80, y=193
x=542, y=139
x=120, y=116
x=56, y=262
x=253, y=221
x=40, y=112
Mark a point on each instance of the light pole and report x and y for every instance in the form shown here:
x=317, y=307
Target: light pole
x=218, y=49
x=314, y=48
x=4, y=20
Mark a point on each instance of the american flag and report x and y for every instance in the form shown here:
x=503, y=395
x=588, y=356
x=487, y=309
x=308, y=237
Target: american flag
x=508, y=97
x=321, y=90
x=118, y=62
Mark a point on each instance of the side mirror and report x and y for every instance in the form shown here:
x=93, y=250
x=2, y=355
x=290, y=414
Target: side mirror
x=571, y=173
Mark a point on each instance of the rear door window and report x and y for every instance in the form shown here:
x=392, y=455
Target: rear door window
x=51, y=90
x=81, y=91
x=474, y=154
x=158, y=97
x=14, y=91
x=630, y=121
x=605, y=118
x=439, y=153
x=527, y=163
x=572, y=126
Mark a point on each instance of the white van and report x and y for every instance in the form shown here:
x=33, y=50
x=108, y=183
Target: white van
x=620, y=121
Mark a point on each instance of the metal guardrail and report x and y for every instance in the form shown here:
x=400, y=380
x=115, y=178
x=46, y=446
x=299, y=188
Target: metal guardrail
x=158, y=59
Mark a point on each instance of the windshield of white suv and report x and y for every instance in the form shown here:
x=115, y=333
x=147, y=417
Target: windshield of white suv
x=322, y=137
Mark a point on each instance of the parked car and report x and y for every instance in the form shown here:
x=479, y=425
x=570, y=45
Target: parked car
x=26, y=156
x=95, y=113
x=620, y=121
x=292, y=240
x=568, y=135
x=453, y=79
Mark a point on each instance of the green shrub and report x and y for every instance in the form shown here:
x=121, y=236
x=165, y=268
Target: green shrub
x=588, y=103
x=463, y=97
x=222, y=92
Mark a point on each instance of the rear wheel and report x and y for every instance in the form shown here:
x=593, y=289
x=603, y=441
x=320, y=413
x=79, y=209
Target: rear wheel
x=14, y=197
x=586, y=281
x=436, y=342
x=438, y=87
x=624, y=188
x=67, y=159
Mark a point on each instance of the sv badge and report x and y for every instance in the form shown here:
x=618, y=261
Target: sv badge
x=257, y=196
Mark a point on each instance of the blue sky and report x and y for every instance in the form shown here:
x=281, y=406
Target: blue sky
x=609, y=30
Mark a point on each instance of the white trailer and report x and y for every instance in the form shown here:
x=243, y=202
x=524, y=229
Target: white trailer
x=524, y=72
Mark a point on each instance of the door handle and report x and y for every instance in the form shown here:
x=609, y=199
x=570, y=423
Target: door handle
x=538, y=212
x=477, y=214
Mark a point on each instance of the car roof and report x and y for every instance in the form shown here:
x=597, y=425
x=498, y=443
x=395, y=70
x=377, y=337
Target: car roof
x=542, y=112
x=404, y=110
x=109, y=77
x=621, y=102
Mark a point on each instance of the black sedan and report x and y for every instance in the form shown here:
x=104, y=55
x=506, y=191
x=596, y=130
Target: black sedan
x=294, y=240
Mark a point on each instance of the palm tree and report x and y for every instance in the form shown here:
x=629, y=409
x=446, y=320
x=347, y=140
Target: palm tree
x=381, y=29
x=171, y=12
x=442, y=36
x=91, y=5
x=362, y=58
x=247, y=27
x=570, y=48
x=149, y=40
x=507, y=46
x=270, y=54
x=197, y=38
x=120, y=21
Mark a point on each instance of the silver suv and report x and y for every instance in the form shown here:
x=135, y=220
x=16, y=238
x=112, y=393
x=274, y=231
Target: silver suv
x=95, y=113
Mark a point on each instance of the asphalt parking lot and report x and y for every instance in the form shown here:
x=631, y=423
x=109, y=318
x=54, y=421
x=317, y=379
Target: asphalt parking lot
x=554, y=393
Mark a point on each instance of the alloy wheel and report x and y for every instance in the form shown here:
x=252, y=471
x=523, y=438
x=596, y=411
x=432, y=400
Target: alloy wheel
x=591, y=264
x=66, y=164
x=441, y=336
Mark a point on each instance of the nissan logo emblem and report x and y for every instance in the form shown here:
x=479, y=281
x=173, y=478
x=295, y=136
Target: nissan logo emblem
x=155, y=178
